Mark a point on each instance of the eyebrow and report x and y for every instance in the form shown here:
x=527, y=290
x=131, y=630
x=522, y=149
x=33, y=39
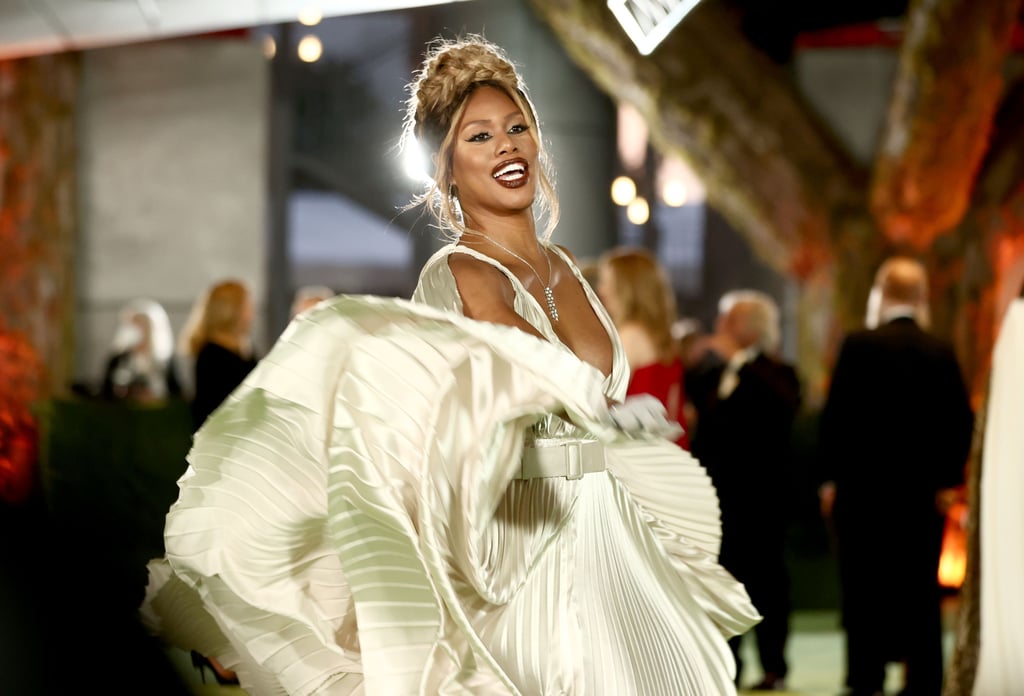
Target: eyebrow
x=509, y=115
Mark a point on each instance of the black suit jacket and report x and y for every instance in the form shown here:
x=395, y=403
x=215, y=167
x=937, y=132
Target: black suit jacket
x=744, y=442
x=896, y=428
x=897, y=424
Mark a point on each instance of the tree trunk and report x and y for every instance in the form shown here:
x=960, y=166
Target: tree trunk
x=982, y=255
x=768, y=164
x=947, y=89
x=37, y=224
x=37, y=208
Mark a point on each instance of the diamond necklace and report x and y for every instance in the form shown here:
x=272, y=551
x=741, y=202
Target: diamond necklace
x=549, y=296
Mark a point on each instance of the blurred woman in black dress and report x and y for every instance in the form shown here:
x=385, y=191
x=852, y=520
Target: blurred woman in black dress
x=217, y=339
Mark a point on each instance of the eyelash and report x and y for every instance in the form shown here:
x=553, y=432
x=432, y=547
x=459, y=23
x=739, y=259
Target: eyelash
x=517, y=129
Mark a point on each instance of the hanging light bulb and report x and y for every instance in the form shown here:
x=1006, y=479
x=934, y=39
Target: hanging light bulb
x=674, y=193
x=269, y=46
x=310, y=49
x=623, y=190
x=677, y=184
x=310, y=16
x=638, y=211
x=632, y=137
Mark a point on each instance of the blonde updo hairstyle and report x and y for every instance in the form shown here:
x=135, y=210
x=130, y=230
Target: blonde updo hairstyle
x=450, y=72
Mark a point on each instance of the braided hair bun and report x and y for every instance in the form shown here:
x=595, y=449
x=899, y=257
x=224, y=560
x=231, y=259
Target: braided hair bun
x=450, y=73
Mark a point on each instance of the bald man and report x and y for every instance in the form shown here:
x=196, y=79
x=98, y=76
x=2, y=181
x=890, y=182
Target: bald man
x=894, y=438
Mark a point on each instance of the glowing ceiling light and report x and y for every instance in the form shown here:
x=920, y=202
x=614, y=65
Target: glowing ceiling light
x=632, y=136
x=269, y=46
x=310, y=49
x=623, y=190
x=638, y=211
x=648, y=22
x=310, y=16
x=674, y=193
x=677, y=184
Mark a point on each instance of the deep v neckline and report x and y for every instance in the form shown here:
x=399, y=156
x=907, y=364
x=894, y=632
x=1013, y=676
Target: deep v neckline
x=548, y=329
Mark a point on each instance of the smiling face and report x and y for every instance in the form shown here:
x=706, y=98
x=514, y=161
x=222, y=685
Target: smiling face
x=494, y=158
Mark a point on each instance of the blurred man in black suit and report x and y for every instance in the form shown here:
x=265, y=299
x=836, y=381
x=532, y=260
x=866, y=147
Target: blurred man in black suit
x=746, y=405
x=895, y=433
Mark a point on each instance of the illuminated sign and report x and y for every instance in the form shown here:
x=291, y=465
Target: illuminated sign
x=648, y=22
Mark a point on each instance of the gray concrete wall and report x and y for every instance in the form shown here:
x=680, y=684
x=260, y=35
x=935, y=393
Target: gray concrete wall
x=172, y=165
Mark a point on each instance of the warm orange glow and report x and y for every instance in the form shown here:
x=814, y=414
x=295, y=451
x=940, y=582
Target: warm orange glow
x=1009, y=270
x=953, y=561
x=20, y=373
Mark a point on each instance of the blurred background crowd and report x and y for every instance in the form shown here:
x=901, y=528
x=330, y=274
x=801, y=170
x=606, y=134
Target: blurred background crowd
x=172, y=194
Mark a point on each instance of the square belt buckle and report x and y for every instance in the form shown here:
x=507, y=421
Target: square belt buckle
x=573, y=461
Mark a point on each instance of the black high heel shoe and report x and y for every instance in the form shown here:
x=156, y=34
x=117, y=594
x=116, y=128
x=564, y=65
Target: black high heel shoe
x=202, y=663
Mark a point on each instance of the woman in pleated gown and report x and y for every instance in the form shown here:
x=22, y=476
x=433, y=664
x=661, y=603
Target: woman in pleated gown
x=449, y=495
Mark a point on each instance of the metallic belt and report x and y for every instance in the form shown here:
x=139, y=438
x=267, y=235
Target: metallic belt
x=568, y=458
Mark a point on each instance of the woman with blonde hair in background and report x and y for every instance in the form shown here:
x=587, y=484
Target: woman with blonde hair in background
x=217, y=339
x=635, y=289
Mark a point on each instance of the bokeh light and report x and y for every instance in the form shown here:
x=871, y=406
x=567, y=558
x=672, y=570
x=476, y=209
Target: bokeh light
x=310, y=16
x=310, y=49
x=623, y=190
x=674, y=192
x=269, y=46
x=638, y=211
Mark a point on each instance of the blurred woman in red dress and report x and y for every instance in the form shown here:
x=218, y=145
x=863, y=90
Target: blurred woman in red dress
x=634, y=288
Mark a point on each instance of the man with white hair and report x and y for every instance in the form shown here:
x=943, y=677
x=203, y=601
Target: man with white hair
x=746, y=407
x=894, y=437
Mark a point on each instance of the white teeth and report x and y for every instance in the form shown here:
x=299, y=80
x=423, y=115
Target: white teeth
x=510, y=169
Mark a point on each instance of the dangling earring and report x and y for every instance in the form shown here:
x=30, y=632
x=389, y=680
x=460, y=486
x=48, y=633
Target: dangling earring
x=453, y=193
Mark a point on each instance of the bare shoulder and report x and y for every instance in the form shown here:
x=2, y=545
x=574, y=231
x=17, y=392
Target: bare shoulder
x=470, y=269
x=486, y=292
x=568, y=253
